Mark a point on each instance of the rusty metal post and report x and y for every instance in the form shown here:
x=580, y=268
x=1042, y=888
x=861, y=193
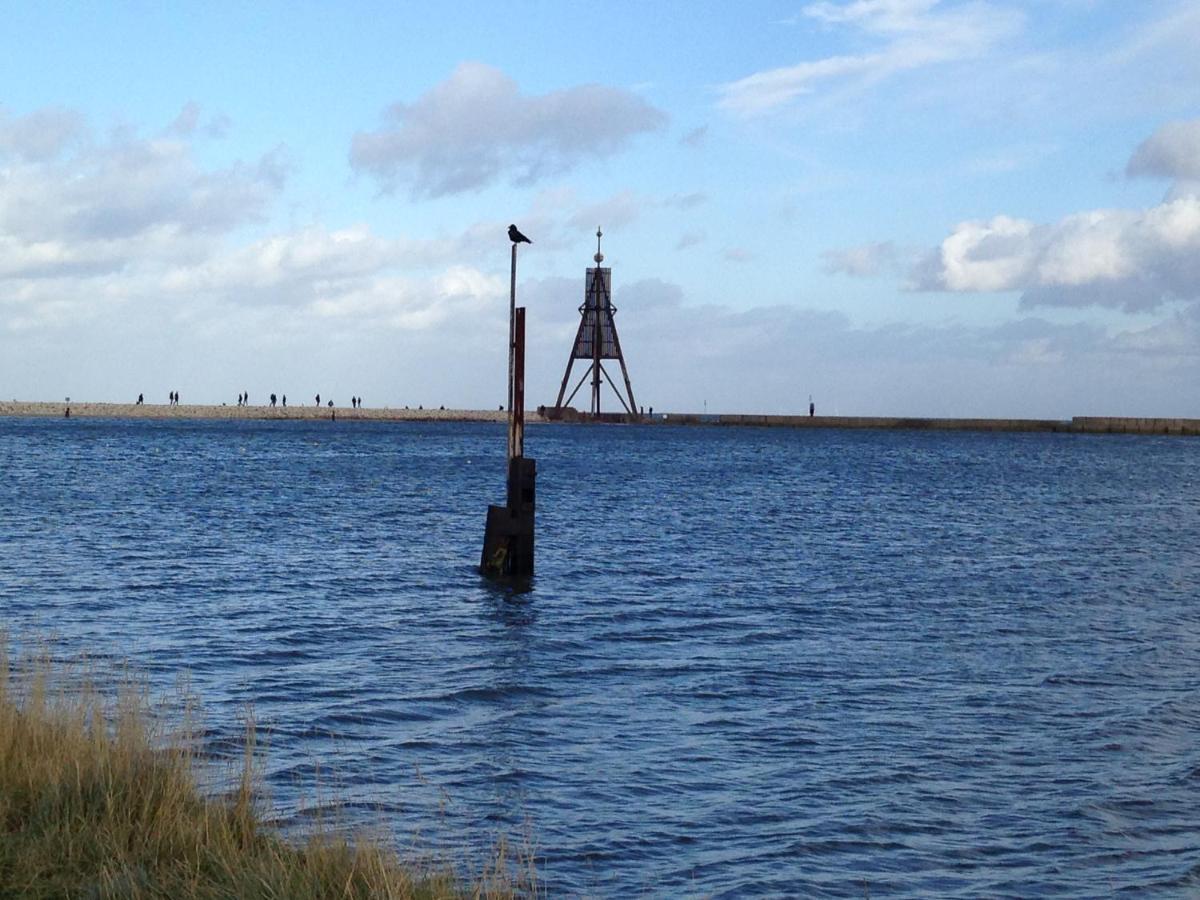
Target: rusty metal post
x=516, y=424
x=512, y=349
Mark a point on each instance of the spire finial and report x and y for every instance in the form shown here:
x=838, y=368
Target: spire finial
x=599, y=257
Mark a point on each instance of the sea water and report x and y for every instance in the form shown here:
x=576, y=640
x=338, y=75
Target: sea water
x=752, y=661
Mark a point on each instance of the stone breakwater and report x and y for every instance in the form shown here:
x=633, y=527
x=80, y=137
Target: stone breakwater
x=1076, y=425
x=283, y=413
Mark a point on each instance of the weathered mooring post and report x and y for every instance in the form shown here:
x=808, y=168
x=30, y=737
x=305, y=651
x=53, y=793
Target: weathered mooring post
x=508, y=537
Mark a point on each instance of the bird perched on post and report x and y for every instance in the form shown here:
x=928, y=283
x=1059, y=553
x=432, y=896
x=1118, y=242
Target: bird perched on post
x=516, y=237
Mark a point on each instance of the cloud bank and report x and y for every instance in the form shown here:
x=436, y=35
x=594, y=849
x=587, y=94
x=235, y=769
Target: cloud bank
x=1130, y=259
x=1134, y=260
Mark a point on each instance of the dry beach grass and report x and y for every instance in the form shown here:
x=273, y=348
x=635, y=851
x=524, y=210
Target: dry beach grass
x=97, y=800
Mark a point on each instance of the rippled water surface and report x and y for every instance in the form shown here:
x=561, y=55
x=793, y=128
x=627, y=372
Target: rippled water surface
x=818, y=663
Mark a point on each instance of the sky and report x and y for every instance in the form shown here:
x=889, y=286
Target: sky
x=896, y=207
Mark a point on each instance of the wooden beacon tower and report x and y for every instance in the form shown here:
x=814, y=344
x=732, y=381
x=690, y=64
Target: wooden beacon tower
x=596, y=340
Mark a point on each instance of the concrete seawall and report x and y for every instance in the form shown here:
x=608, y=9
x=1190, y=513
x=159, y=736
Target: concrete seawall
x=1077, y=425
x=1107, y=425
x=889, y=423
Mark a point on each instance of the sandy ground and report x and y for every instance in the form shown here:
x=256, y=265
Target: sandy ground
x=186, y=411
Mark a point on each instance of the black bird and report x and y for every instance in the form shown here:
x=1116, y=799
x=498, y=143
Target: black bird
x=516, y=237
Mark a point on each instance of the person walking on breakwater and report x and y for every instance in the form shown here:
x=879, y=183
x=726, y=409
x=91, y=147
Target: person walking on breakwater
x=272, y=401
x=812, y=408
x=285, y=401
x=318, y=399
x=140, y=399
x=239, y=399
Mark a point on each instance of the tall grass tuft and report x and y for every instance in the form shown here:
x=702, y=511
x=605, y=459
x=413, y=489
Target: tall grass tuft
x=96, y=800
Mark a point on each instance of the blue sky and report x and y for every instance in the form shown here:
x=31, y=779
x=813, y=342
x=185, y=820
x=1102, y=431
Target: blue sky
x=898, y=206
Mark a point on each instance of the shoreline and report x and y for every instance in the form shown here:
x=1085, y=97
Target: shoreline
x=162, y=411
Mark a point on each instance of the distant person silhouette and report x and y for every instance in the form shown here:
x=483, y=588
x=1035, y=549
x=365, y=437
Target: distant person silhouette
x=318, y=399
x=516, y=237
x=246, y=401
x=239, y=399
x=140, y=399
x=272, y=401
x=812, y=409
x=285, y=401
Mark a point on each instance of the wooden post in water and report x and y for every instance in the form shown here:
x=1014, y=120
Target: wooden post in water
x=508, y=537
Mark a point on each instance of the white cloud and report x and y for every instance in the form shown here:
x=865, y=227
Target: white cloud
x=95, y=228
x=772, y=357
x=459, y=294
x=187, y=121
x=1171, y=152
x=883, y=16
x=863, y=261
x=1132, y=259
x=477, y=128
x=125, y=187
x=910, y=34
x=41, y=135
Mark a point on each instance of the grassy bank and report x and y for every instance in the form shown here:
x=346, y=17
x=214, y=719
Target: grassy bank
x=96, y=801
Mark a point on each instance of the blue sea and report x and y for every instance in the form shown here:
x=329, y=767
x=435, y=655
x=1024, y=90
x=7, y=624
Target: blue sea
x=815, y=663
